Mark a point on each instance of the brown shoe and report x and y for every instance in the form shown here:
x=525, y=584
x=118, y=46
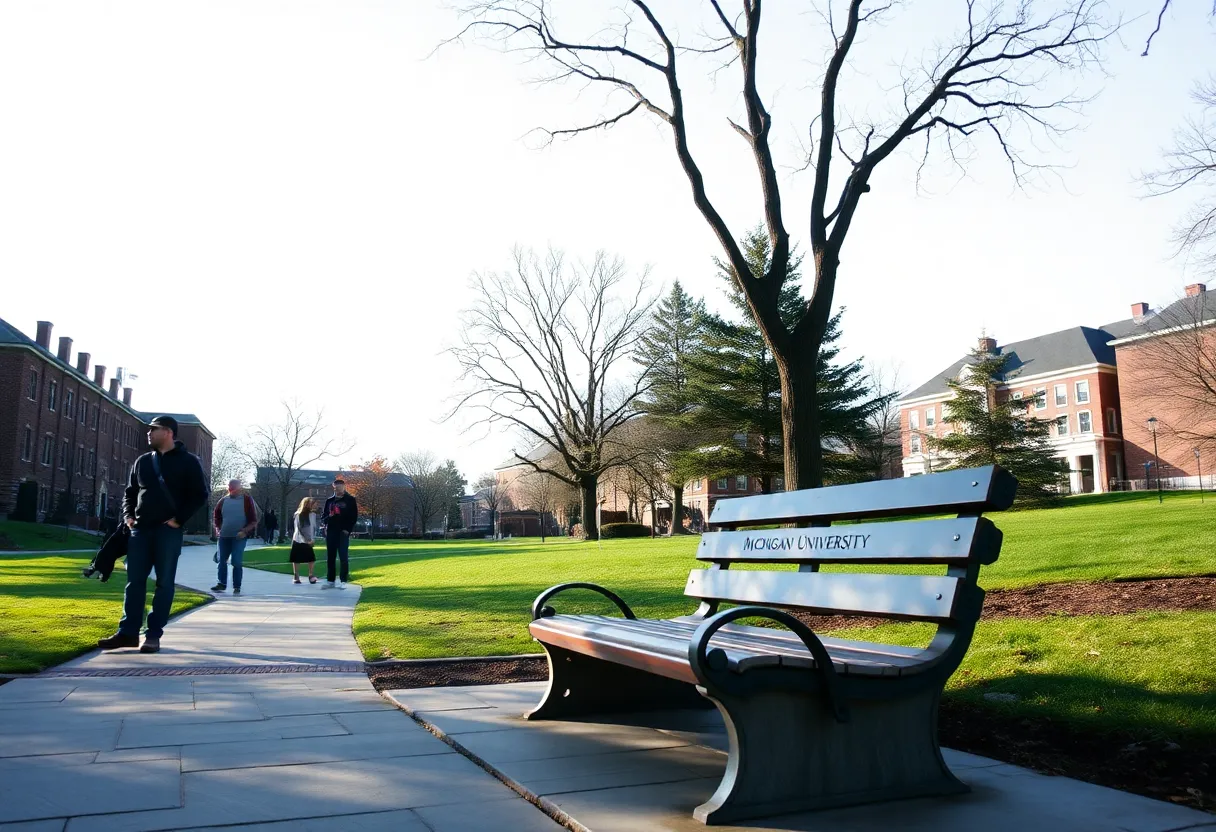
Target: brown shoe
x=151, y=645
x=118, y=640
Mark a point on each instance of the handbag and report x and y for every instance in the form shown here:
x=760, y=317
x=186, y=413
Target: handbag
x=164, y=486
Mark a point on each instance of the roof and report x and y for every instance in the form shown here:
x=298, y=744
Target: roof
x=317, y=477
x=536, y=453
x=1186, y=311
x=11, y=336
x=1075, y=347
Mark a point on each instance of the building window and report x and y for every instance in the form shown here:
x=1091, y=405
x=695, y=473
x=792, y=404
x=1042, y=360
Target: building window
x=27, y=444
x=69, y=403
x=913, y=420
x=930, y=417
x=52, y=392
x=1112, y=421
x=84, y=411
x=741, y=482
x=80, y=461
x=1082, y=392
x=1085, y=422
x=1040, y=398
x=48, y=450
x=43, y=495
x=1061, y=395
x=1061, y=426
x=63, y=456
x=31, y=391
x=915, y=444
x=92, y=463
x=722, y=484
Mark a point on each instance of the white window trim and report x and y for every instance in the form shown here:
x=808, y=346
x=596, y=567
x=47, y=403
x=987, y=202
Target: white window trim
x=914, y=444
x=1038, y=390
x=1091, y=423
x=930, y=417
x=1067, y=426
x=1076, y=391
x=914, y=420
x=1113, y=427
x=1056, y=393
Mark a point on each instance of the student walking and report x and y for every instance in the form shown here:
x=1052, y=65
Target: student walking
x=166, y=486
x=235, y=518
x=272, y=526
x=340, y=514
x=302, y=541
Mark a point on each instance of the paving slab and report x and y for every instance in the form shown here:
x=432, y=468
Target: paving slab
x=516, y=815
x=52, y=825
x=404, y=820
x=649, y=771
x=232, y=755
x=143, y=735
x=43, y=791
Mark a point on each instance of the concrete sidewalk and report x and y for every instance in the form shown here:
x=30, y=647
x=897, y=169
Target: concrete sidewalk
x=255, y=715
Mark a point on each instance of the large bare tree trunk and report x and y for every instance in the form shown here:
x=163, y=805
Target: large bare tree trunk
x=800, y=423
x=588, y=486
x=677, y=508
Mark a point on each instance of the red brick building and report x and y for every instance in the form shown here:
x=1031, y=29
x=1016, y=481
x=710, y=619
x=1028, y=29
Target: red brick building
x=1167, y=372
x=63, y=428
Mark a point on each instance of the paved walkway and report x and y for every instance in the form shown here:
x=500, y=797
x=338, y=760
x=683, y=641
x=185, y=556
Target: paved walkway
x=250, y=718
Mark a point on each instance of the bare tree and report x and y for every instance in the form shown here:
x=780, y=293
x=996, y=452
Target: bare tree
x=431, y=495
x=283, y=448
x=990, y=80
x=540, y=352
x=881, y=449
x=1176, y=355
x=493, y=495
x=371, y=484
x=228, y=462
x=540, y=492
x=1191, y=164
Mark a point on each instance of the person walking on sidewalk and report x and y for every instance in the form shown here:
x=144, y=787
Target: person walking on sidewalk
x=165, y=488
x=272, y=526
x=339, y=518
x=235, y=518
x=302, y=541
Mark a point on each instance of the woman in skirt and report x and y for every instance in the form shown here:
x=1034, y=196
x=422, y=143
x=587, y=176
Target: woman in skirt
x=302, y=540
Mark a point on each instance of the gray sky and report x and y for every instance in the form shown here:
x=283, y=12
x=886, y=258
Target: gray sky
x=244, y=201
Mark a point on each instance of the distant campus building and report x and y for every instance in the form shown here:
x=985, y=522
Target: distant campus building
x=398, y=502
x=67, y=435
x=1097, y=387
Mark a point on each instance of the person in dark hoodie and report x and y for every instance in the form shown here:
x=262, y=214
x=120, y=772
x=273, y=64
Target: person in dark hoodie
x=339, y=517
x=165, y=488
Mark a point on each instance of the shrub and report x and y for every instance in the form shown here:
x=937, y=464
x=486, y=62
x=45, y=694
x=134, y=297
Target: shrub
x=610, y=530
x=469, y=534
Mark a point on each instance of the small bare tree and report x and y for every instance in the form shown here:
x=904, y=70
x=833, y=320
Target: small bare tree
x=493, y=495
x=371, y=485
x=880, y=450
x=540, y=492
x=1191, y=164
x=992, y=78
x=430, y=487
x=283, y=448
x=540, y=353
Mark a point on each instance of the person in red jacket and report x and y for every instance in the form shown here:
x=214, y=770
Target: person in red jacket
x=235, y=518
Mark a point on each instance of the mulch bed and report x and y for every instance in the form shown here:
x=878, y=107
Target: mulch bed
x=1159, y=769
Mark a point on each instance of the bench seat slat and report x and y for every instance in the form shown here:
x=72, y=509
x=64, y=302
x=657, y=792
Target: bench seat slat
x=917, y=597
x=872, y=649
x=969, y=491
x=913, y=541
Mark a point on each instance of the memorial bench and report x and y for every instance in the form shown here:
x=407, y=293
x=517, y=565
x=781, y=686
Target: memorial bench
x=813, y=722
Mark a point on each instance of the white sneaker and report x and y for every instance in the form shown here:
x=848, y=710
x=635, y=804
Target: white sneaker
x=327, y=585
x=342, y=585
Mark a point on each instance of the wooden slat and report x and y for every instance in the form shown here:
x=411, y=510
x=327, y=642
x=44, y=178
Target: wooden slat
x=968, y=491
x=921, y=597
x=913, y=541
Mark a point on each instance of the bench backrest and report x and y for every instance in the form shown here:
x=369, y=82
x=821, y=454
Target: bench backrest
x=961, y=544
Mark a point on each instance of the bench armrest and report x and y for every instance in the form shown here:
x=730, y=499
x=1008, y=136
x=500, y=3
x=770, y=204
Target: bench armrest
x=706, y=662
x=540, y=610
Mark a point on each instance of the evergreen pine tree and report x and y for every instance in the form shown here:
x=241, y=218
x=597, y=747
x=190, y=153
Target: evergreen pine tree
x=992, y=430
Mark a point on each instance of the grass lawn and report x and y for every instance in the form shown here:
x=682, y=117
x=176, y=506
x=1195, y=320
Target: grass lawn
x=466, y=598
x=52, y=614
x=37, y=537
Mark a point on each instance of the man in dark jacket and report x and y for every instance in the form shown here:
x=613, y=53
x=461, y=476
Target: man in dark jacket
x=339, y=518
x=165, y=488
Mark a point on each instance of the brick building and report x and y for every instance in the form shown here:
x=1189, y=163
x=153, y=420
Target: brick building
x=63, y=428
x=1167, y=372
x=398, y=496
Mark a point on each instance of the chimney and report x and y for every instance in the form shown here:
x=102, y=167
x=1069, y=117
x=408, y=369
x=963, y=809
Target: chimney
x=987, y=345
x=114, y=388
x=82, y=362
x=44, y=334
x=65, y=349
x=1195, y=290
x=1140, y=310
x=99, y=375
x=126, y=396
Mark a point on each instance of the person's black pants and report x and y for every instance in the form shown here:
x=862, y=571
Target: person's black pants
x=337, y=543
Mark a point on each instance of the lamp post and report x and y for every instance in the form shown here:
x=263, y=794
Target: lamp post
x=1152, y=425
x=1199, y=465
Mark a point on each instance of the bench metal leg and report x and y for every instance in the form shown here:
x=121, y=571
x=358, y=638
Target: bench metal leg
x=580, y=685
x=788, y=754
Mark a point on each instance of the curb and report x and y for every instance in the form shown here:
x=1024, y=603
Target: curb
x=378, y=663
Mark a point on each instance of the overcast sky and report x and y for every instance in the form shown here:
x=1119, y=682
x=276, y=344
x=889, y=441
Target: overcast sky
x=247, y=201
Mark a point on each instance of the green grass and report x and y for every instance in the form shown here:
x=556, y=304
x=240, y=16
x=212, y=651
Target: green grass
x=463, y=598
x=1147, y=673
x=37, y=537
x=52, y=614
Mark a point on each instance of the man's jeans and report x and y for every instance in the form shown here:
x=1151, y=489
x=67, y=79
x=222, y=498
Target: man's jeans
x=156, y=548
x=234, y=546
x=337, y=542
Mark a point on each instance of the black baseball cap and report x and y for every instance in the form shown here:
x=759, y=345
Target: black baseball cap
x=339, y=481
x=165, y=422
